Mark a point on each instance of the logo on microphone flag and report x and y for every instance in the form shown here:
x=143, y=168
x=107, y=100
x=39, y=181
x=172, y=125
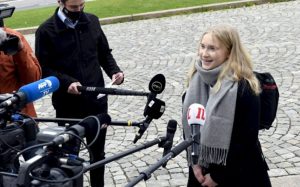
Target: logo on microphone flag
x=196, y=114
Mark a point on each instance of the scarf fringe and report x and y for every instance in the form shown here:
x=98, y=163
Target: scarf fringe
x=212, y=155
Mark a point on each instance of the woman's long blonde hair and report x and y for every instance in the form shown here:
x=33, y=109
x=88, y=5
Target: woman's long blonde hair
x=238, y=64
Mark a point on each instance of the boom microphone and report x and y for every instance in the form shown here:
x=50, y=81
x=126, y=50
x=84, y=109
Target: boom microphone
x=195, y=118
x=33, y=91
x=87, y=126
x=111, y=91
x=171, y=129
x=156, y=86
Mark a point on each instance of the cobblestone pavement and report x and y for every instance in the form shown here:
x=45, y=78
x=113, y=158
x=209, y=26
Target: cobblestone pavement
x=168, y=46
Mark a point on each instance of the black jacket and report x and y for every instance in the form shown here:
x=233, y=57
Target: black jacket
x=75, y=55
x=246, y=166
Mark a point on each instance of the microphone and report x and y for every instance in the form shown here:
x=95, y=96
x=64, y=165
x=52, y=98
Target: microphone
x=153, y=110
x=156, y=86
x=85, y=127
x=171, y=129
x=195, y=118
x=33, y=91
x=154, y=107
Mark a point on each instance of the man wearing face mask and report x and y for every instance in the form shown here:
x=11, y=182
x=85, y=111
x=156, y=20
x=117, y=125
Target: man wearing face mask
x=72, y=46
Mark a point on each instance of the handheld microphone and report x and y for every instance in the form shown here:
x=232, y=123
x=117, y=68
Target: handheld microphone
x=195, y=118
x=87, y=126
x=153, y=110
x=33, y=91
x=171, y=129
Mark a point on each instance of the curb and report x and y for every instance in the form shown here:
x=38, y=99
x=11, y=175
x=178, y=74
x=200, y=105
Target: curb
x=166, y=13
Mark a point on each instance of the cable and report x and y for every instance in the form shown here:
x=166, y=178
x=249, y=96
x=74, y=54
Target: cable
x=98, y=129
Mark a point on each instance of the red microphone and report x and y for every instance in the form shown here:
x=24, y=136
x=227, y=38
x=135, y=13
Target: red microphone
x=195, y=118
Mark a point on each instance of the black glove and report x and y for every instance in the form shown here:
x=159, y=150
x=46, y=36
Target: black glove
x=10, y=46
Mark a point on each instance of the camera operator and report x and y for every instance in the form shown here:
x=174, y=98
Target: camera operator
x=18, y=66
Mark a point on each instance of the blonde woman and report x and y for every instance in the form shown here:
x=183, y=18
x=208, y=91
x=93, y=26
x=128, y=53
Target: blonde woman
x=222, y=80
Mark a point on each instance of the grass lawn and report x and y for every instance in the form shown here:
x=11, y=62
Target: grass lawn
x=103, y=9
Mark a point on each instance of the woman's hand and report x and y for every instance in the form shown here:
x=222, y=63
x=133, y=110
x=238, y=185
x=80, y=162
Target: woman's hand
x=208, y=181
x=198, y=173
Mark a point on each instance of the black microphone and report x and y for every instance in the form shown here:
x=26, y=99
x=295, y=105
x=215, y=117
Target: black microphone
x=154, y=107
x=153, y=110
x=171, y=129
x=87, y=126
x=195, y=118
x=111, y=91
x=156, y=86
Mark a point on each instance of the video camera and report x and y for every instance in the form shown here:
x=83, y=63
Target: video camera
x=8, y=43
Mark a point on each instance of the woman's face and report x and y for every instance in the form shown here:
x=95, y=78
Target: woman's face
x=212, y=52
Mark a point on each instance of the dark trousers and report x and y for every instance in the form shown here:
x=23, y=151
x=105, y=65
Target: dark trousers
x=97, y=149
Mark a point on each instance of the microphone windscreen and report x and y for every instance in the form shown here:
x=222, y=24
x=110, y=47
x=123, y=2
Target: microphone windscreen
x=172, y=126
x=155, y=108
x=157, y=84
x=40, y=88
x=90, y=123
x=196, y=114
x=104, y=118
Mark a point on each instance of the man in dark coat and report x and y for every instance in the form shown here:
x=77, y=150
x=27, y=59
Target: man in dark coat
x=72, y=46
